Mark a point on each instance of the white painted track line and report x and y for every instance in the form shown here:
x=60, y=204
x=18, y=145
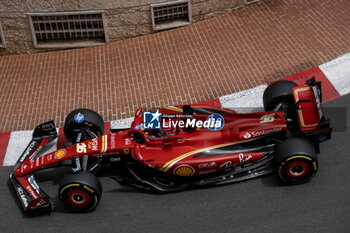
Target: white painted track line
x=17, y=144
x=338, y=73
x=122, y=123
x=245, y=101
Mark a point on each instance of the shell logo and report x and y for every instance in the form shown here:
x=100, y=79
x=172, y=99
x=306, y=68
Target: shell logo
x=60, y=154
x=184, y=170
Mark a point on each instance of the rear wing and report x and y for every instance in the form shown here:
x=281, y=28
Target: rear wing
x=310, y=113
x=30, y=195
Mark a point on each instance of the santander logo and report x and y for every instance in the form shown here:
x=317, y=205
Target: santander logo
x=247, y=135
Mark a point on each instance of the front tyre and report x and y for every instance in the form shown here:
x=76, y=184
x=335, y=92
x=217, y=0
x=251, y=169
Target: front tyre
x=80, y=191
x=80, y=119
x=295, y=161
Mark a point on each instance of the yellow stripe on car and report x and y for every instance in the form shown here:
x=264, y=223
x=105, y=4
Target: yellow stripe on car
x=103, y=143
x=174, y=109
x=169, y=164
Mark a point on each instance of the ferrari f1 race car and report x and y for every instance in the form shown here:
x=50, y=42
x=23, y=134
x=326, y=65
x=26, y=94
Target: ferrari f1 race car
x=178, y=147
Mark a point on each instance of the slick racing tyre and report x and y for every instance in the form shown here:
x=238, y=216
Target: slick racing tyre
x=278, y=92
x=295, y=161
x=80, y=191
x=83, y=118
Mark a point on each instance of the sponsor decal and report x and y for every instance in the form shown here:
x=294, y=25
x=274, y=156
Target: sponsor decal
x=243, y=159
x=31, y=192
x=79, y=117
x=126, y=151
x=37, y=162
x=93, y=144
x=207, y=165
x=22, y=196
x=42, y=159
x=81, y=148
x=113, y=145
x=47, y=126
x=31, y=165
x=228, y=164
x=268, y=118
x=26, y=153
x=59, y=154
x=33, y=183
x=247, y=135
x=165, y=167
x=217, y=120
x=184, y=170
x=317, y=94
x=265, y=132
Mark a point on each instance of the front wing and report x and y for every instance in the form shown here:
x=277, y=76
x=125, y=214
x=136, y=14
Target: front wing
x=30, y=195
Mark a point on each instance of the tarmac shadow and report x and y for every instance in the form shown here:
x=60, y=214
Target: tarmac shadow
x=271, y=180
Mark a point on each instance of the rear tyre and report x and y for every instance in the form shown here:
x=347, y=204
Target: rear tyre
x=83, y=118
x=278, y=92
x=80, y=192
x=295, y=161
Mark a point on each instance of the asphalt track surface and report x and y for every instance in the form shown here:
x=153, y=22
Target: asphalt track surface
x=259, y=205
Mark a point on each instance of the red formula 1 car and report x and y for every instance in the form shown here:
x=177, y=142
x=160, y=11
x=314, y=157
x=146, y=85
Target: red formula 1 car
x=179, y=147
